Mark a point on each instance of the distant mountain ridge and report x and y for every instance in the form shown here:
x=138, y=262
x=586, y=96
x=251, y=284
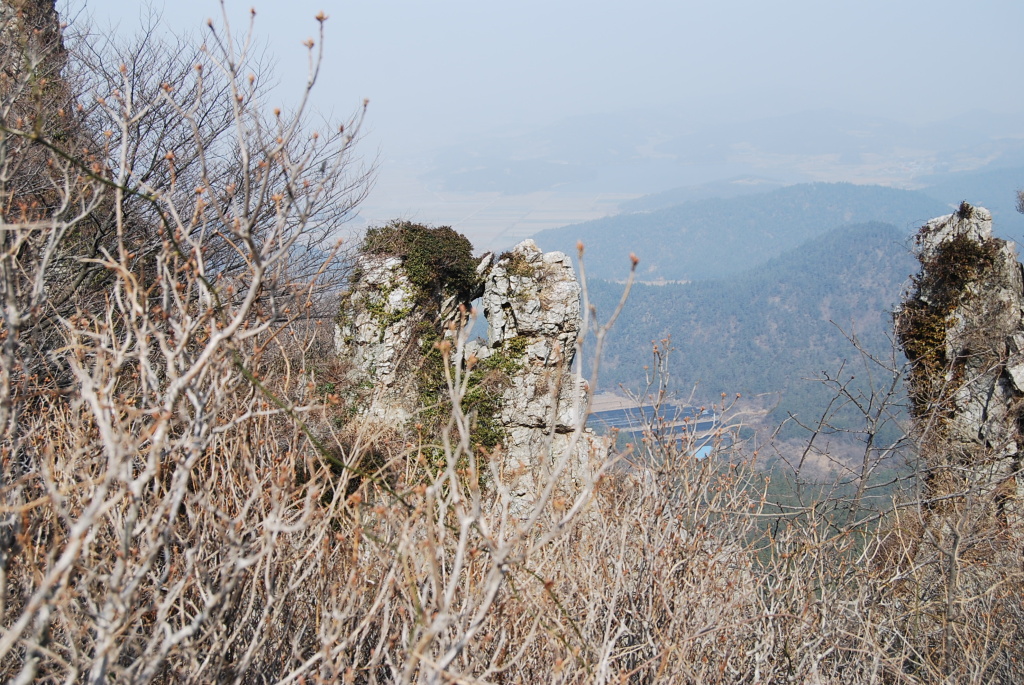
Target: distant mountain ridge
x=992, y=187
x=716, y=238
x=731, y=187
x=770, y=328
x=756, y=290
x=995, y=189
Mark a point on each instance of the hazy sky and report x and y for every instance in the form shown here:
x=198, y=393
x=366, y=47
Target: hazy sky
x=448, y=70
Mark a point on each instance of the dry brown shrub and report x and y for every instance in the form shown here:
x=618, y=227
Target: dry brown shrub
x=186, y=501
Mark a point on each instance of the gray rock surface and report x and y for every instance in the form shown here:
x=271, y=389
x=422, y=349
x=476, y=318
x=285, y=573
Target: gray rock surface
x=531, y=301
x=33, y=26
x=968, y=393
x=533, y=298
x=375, y=332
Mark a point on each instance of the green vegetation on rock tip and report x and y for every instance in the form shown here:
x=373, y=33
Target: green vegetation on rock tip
x=438, y=260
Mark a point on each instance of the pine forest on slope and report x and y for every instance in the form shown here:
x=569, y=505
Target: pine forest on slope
x=770, y=329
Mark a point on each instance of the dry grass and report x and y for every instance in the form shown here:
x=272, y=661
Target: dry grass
x=159, y=548
x=185, y=498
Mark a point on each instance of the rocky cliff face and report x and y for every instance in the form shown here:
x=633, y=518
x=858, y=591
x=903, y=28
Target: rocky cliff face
x=531, y=301
x=36, y=99
x=33, y=55
x=32, y=28
x=376, y=333
x=962, y=328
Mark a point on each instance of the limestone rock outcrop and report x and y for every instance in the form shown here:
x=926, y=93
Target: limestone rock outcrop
x=31, y=29
x=531, y=301
x=962, y=329
x=375, y=332
x=33, y=54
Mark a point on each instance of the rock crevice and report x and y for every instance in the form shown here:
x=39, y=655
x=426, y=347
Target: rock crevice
x=531, y=300
x=962, y=328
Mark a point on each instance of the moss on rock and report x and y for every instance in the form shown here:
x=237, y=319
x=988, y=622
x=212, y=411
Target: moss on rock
x=952, y=275
x=438, y=261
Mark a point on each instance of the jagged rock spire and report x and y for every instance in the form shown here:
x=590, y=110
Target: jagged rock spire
x=962, y=328
x=532, y=303
x=30, y=40
x=531, y=300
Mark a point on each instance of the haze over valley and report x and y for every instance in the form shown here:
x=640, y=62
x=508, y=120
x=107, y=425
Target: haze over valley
x=506, y=187
x=506, y=120
x=735, y=149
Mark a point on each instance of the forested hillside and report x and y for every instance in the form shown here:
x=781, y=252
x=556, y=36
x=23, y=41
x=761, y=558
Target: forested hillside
x=733, y=187
x=770, y=328
x=718, y=238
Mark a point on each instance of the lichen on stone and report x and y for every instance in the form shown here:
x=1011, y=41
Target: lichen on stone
x=411, y=288
x=962, y=329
